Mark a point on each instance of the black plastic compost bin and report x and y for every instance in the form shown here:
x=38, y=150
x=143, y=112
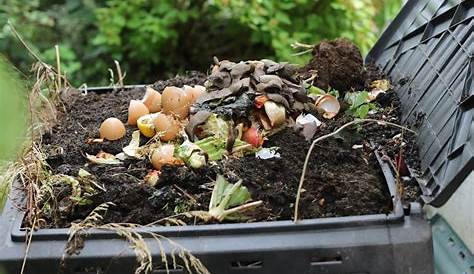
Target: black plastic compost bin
x=427, y=52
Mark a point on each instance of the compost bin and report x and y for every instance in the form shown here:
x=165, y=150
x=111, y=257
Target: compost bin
x=427, y=53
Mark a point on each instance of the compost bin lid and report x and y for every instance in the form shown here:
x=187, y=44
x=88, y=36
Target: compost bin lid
x=427, y=51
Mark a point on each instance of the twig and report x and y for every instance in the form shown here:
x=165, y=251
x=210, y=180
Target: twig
x=297, y=45
x=308, y=154
x=35, y=56
x=18, y=36
x=186, y=194
x=119, y=72
x=28, y=244
x=242, y=208
x=307, y=48
x=58, y=65
x=166, y=218
x=302, y=52
x=398, y=166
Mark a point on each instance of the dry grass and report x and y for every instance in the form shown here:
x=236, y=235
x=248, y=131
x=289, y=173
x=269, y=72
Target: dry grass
x=137, y=242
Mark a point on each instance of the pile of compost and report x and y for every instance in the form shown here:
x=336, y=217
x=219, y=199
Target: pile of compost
x=343, y=177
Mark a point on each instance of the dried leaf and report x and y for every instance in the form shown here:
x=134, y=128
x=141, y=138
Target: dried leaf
x=83, y=173
x=132, y=150
x=382, y=85
x=103, y=158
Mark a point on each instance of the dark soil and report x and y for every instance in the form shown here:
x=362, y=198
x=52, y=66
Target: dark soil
x=338, y=64
x=340, y=180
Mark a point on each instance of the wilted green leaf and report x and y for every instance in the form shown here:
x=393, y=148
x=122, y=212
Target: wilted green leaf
x=239, y=197
x=360, y=104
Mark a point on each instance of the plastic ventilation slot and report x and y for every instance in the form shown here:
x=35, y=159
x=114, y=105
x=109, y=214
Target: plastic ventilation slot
x=177, y=269
x=88, y=270
x=326, y=261
x=246, y=264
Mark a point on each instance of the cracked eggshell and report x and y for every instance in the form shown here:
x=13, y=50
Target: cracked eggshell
x=174, y=101
x=167, y=126
x=152, y=100
x=112, y=129
x=136, y=109
x=328, y=105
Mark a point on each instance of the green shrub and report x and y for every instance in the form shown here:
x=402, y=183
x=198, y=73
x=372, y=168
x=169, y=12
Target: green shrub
x=157, y=38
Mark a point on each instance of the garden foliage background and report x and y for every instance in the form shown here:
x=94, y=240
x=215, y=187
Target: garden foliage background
x=158, y=38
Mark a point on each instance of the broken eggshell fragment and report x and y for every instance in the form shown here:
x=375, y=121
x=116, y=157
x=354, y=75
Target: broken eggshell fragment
x=167, y=126
x=328, y=105
x=174, y=101
x=307, y=124
x=103, y=158
x=152, y=100
x=194, y=92
x=152, y=178
x=163, y=155
x=112, y=129
x=136, y=109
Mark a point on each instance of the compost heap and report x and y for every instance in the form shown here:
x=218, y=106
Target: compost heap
x=249, y=121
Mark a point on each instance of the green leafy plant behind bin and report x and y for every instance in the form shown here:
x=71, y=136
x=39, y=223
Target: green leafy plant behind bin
x=158, y=38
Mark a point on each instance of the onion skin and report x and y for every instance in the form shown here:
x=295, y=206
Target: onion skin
x=152, y=100
x=163, y=155
x=253, y=137
x=276, y=113
x=112, y=129
x=174, y=101
x=166, y=126
x=136, y=109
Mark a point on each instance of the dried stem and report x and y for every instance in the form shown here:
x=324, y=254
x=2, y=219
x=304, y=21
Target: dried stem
x=242, y=208
x=36, y=56
x=298, y=45
x=58, y=65
x=119, y=72
x=397, y=170
x=28, y=244
x=310, y=150
x=137, y=242
x=18, y=36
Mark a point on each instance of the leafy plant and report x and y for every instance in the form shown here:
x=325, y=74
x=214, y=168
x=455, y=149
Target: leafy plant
x=228, y=201
x=158, y=38
x=360, y=104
